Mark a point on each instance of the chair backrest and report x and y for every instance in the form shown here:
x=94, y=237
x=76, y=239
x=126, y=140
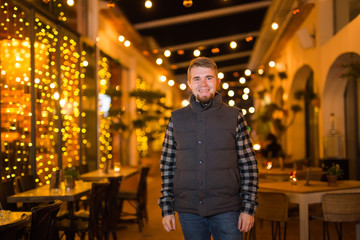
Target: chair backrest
x=14, y=230
x=43, y=218
x=142, y=188
x=7, y=189
x=341, y=207
x=97, y=209
x=25, y=182
x=112, y=211
x=272, y=206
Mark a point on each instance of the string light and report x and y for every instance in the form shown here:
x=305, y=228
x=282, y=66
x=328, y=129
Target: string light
x=127, y=43
x=247, y=72
x=233, y=44
x=231, y=102
x=182, y=86
x=187, y=3
x=159, y=61
x=167, y=53
x=271, y=64
x=162, y=78
x=121, y=38
x=221, y=75
x=70, y=3
x=196, y=52
x=171, y=82
x=148, y=4
x=274, y=26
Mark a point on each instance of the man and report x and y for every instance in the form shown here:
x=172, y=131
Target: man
x=208, y=167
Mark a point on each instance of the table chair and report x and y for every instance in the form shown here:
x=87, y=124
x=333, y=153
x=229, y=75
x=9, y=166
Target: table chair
x=274, y=207
x=83, y=168
x=14, y=230
x=111, y=207
x=43, y=218
x=93, y=224
x=24, y=183
x=7, y=189
x=337, y=208
x=137, y=199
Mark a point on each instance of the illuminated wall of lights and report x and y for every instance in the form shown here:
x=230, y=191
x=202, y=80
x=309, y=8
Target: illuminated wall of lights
x=47, y=99
x=105, y=138
x=15, y=100
x=141, y=138
x=56, y=99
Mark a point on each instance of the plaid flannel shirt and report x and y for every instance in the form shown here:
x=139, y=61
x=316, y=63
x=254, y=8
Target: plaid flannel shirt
x=247, y=164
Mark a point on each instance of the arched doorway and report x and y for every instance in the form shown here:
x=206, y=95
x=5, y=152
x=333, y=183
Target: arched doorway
x=305, y=128
x=341, y=101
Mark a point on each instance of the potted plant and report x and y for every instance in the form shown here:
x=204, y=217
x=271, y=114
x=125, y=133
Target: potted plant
x=333, y=173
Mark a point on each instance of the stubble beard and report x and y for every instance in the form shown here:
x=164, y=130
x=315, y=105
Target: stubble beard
x=205, y=99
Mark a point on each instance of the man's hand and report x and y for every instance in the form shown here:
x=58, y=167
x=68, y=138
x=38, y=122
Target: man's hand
x=169, y=223
x=246, y=222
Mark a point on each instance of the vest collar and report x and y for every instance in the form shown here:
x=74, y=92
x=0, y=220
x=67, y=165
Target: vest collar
x=213, y=104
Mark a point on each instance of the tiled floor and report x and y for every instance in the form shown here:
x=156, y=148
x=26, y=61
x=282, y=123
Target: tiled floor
x=153, y=229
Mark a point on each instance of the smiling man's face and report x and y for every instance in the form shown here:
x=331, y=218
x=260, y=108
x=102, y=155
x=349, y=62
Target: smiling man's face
x=203, y=83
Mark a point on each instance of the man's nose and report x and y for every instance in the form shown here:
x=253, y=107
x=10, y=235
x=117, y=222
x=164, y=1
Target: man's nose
x=203, y=82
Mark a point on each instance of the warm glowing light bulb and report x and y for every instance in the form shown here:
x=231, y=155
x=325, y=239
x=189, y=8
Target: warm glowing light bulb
x=182, y=86
x=274, y=26
x=121, y=38
x=271, y=64
x=225, y=86
x=256, y=147
x=221, y=75
x=56, y=95
x=70, y=2
x=242, y=80
x=261, y=71
x=196, y=52
x=167, y=53
x=247, y=72
x=233, y=44
x=159, y=61
x=251, y=109
x=171, y=82
x=231, y=93
x=231, y=103
x=185, y=103
x=127, y=43
x=245, y=96
x=148, y=4
x=162, y=78
x=246, y=90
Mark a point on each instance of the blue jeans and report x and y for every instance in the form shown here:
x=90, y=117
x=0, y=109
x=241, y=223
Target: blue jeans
x=221, y=226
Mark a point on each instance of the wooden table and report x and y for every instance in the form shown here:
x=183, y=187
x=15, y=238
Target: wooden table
x=14, y=216
x=44, y=194
x=99, y=174
x=305, y=195
x=277, y=174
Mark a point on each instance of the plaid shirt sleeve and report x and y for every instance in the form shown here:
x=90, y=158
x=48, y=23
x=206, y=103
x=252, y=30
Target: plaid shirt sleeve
x=167, y=168
x=248, y=167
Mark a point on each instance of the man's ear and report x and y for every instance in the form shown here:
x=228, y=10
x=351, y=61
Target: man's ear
x=189, y=85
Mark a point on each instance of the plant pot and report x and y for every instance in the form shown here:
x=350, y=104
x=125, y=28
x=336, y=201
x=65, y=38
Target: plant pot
x=331, y=180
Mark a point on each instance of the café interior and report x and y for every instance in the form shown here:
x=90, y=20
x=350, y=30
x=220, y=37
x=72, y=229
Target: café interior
x=87, y=88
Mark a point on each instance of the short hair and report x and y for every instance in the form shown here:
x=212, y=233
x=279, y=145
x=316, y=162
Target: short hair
x=202, y=62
